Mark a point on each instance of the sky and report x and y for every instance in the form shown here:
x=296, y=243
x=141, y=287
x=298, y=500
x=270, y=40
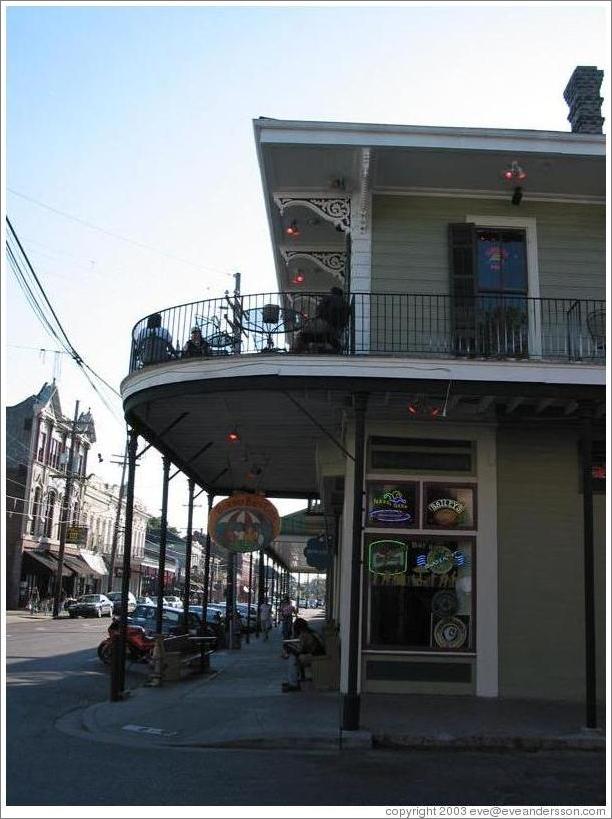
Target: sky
x=137, y=120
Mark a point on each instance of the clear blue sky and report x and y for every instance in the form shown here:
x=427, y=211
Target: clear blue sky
x=138, y=120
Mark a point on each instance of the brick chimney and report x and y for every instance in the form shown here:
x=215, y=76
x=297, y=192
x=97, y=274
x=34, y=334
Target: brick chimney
x=582, y=96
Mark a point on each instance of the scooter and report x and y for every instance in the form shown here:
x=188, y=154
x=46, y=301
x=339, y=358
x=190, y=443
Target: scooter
x=139, y=645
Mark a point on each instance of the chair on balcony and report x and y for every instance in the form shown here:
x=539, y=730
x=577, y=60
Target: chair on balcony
x=596, y=325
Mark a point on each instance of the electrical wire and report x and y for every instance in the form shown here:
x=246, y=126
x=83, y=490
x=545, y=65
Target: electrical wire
x=134, y=242
x=56, y=328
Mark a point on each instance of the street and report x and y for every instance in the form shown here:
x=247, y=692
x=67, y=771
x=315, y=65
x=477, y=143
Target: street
x=52, y=668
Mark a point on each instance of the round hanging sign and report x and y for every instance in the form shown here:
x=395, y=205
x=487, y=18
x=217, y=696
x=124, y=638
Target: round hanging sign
x=244, y=523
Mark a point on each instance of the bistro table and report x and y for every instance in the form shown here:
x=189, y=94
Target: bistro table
x=270, y=320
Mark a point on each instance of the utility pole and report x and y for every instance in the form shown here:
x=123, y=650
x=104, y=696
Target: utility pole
x=113, y=555
x=64, y=515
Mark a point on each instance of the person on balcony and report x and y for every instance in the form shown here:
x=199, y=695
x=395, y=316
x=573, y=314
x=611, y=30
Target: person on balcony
x=154, y=343
x=196, y=346
x=323, y=332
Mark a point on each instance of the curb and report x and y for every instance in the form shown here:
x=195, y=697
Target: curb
x=490, y=743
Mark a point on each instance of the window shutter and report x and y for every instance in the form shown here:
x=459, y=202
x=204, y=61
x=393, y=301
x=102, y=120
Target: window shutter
x=462, y=247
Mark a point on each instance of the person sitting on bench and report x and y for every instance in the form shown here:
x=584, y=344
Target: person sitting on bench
x=300, y=653
x=323, y=333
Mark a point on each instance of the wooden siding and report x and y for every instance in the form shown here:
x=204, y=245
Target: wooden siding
x=541, y=602
x=410, y=243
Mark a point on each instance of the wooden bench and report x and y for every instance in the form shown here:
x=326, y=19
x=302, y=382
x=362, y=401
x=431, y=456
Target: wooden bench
x=180, y=653
x=325, y=668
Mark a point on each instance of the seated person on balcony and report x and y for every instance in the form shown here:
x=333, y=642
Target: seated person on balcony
x=325, y=329
x=300, y=654
x=196, y=345
x=154, y=343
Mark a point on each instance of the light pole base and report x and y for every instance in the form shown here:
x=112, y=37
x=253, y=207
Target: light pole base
x=350, y=712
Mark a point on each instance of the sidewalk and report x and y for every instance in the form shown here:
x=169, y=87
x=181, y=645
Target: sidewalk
x=240, y=704
x=19, y=614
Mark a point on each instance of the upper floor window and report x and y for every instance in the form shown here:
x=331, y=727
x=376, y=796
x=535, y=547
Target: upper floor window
x=36, y=510
x=501, y=261
x=42, y=446
x=54, y=453
x=51, y=500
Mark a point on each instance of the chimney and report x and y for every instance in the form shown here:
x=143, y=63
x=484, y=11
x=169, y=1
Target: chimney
x=582, y=96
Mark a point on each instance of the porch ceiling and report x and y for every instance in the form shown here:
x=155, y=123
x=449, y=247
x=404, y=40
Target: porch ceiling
x=281, y=420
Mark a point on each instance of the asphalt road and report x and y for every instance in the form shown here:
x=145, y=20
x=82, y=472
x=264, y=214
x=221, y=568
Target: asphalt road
x=52, y=669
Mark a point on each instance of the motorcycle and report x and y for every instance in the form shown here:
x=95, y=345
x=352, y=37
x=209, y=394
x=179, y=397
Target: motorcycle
x=139, y=645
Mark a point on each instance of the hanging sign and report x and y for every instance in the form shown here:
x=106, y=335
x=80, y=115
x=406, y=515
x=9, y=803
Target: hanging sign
x=77, y=534
x=244, y=523
x=388, y=557
x=317, y=553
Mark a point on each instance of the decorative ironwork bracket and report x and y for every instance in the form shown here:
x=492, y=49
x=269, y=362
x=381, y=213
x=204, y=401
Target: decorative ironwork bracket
x=336, y=210
x=331, y=261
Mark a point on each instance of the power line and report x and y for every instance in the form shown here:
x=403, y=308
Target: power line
x=134, y=242
x=56, y=328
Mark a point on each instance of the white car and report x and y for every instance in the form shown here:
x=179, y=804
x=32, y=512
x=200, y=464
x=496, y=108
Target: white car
x=173, y=602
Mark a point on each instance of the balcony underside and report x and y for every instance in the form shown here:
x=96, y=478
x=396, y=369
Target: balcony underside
x=283, y=406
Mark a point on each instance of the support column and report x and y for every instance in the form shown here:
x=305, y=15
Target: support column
x=120, y=645
x=229, y=599
x=589, y=567
x=161, y=566
x=249, y=598
x=260, y=592
x=350, y=698
x=188, y=547
x=207, y=574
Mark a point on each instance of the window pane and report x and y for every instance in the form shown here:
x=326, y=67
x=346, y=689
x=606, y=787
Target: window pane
x=392, y=505
x=514, y=271
x=448, y=506
x=420, y=593
x=489, y=260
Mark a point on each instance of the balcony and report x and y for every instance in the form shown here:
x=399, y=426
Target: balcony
x=486, y=327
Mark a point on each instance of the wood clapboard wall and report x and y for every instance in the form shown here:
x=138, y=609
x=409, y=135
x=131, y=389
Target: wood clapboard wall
x=410, y=243
x=540, y=547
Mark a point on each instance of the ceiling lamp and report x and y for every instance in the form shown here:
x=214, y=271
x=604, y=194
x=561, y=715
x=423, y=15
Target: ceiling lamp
x=232, y=436
x=293, y=230
x=514, y=173
x=299, y=277
x=422, y=407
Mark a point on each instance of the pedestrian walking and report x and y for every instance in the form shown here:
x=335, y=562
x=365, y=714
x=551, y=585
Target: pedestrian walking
x=287, y=610
x=265, y=617
x=34, y=603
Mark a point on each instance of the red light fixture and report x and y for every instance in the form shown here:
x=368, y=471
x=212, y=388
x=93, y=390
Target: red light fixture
x=299, y=277
x=413, y=409
x=232, y=436
x=293, y=230
x=514, y=173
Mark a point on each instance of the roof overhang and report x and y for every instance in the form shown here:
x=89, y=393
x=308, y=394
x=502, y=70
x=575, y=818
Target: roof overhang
x=316, y=159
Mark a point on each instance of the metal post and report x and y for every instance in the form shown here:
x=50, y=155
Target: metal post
x=589, y=567
x=249, y=598
x=65, y=511
x=260, y=592
x=120, y=644
x=161, y=566
x=229, y=600
x=297, y=599
x=207, y=574
x=188, y=546
x=272, y=587
x=350, y=700
x=113, y=554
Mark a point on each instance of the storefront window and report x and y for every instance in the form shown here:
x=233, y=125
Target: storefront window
x=448, y=506
x=393, y=505
x=420, y=593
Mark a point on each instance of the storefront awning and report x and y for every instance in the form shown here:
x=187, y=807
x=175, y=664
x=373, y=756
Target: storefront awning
x=95, y=562
x=47, y=561
x=77, y=565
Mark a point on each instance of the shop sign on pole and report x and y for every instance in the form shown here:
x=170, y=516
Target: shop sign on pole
x=244, y=523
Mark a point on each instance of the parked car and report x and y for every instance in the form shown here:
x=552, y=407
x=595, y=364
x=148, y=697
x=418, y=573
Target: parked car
x=243, y=610
x=215, y=621
x=172, y=619
x=173, y=602
x=147, y=600
x=115, y=598
x=91, y=605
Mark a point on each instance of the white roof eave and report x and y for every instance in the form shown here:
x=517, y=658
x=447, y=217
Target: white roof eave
x=289, y=132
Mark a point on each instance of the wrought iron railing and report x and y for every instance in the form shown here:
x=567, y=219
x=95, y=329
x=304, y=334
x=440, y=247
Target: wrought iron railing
x=391, y=324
